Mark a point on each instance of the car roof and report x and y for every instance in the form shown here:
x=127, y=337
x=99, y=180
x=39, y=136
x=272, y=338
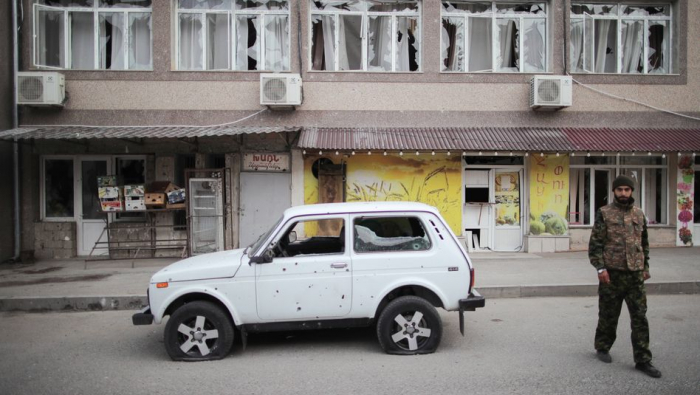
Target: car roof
x=358, y=207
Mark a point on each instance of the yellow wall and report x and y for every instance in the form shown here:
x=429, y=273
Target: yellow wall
x=432, y=179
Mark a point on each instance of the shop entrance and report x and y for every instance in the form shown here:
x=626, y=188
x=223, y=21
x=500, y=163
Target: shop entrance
x=90, y=219
x=264, y=197
x=492, y=214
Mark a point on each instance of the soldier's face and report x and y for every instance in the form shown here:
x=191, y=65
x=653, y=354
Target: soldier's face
x=623, y=194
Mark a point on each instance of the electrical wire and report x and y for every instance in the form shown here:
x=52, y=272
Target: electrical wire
x=146, y=127
x=632, y=100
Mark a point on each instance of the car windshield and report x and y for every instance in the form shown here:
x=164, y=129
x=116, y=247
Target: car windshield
x=261, y=239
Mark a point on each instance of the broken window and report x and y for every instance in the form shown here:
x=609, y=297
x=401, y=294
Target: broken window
x=389, y=234
x=618, y=38
x=312, y=237
x=365, y=35
x=65, y=34
x=233, y=35
x=59, y=189
x=487, y=36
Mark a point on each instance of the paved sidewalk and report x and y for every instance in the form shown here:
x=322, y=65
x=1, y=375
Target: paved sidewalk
x=111, y=285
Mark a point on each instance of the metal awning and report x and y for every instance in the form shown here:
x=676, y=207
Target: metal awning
x=502, y=139
x=59, y=132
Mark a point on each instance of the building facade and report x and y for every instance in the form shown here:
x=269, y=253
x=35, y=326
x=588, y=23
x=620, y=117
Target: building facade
x=426, y=101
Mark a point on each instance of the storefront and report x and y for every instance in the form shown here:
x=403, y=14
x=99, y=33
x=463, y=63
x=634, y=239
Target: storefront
x=509, y=189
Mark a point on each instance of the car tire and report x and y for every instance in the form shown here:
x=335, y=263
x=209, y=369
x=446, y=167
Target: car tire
x=409, y=325
x=198, y=331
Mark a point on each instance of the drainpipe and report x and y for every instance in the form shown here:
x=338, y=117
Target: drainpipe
x=15, y=123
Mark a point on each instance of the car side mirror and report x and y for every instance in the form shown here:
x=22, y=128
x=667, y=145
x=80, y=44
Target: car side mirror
x=265, y=257
x=292, y=237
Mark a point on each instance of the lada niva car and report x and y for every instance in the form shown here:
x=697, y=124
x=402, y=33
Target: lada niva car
x=388, y=264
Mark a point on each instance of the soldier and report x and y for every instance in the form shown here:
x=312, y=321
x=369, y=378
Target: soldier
x=619, y=250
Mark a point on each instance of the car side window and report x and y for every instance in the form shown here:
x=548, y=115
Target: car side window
x=389, y=234
x=312, y=237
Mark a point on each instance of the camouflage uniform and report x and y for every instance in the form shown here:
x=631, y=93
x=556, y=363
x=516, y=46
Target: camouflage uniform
x=619, y=243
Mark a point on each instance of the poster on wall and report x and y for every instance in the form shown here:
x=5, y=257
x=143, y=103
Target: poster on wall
x=507, y=195
x=549, y=195
x=432, y=179
x=686, y=198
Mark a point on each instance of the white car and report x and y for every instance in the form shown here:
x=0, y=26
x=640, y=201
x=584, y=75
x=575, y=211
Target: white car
x=390, y=264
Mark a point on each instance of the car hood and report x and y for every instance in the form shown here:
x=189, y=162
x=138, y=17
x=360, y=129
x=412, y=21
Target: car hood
x=221, y=264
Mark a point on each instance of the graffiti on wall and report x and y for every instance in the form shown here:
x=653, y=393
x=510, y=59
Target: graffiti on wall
x=685, y=201
x=432, y=179
x=549, y=194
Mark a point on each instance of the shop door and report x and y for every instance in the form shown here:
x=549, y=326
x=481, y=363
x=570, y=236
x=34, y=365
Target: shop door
x=264, y=197
x=91, y=221
x=507, y=230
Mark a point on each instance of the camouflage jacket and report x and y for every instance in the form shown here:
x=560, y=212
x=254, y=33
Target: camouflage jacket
x=619, y=240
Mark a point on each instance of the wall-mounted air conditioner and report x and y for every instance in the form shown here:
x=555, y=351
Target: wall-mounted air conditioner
x=36, y=88
x=280, y=90
x=550, y=92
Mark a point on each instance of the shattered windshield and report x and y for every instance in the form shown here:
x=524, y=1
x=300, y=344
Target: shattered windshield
x=261, y=239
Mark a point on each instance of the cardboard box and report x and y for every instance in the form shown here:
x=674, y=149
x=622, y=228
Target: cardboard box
x=176, y=205
x=135, y=203
x=155, y=199
x=109, y=205
x=108, y=192
x=107, y=181
x=162, y=187
x=177, y=196
x=134, y=190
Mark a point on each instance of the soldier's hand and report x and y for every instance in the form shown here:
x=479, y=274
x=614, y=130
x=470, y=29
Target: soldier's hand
x=604, y=277
x=647, y=276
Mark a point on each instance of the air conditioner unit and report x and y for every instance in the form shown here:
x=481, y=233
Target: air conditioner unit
x=280, y=90
x=550, y=92
x=41, y=88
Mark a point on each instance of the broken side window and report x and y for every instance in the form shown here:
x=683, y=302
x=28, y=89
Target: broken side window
x=389, y=234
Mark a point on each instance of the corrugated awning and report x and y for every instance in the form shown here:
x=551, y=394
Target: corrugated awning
x=125, y=132
x=502, y=139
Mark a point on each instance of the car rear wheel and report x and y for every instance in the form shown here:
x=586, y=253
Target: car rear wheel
x=409, y=325
x=198, y=331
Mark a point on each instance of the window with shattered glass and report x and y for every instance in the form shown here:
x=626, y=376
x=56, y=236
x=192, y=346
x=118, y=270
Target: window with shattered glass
x=362, y=35
x=233, y=35
x=621, y=38
x=389, y=234
x=494, y=36
x=93, y=34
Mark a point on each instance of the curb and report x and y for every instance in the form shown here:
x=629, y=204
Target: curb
x=136, y=302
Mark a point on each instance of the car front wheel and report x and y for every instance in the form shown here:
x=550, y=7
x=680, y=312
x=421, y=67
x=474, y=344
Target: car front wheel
x=198, y=331
x=409, y=325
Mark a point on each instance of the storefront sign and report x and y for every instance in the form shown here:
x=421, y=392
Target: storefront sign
x=549, y=194
x=266, y=162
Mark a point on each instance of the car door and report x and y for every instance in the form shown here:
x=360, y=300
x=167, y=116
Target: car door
x=314, y=279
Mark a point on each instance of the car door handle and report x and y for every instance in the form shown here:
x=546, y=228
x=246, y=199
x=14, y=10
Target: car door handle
x=340, y=265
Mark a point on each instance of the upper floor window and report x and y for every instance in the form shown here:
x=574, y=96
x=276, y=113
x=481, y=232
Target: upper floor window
x=93, y=34
x=494, y=36
x=619, y=38
x=233, y=35
x=365, y=35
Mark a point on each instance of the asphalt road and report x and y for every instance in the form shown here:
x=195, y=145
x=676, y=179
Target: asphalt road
x=525, y=345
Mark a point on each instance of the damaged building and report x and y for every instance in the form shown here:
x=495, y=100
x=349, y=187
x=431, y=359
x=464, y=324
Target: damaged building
x=511, y=117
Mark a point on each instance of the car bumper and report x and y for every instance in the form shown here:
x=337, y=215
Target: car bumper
x=471, y=303
x=143, y=317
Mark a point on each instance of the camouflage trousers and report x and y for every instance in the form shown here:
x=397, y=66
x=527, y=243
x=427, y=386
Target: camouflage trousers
x=627, y=287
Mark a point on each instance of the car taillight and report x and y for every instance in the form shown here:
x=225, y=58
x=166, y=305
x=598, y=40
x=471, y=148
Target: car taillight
x=471, y=279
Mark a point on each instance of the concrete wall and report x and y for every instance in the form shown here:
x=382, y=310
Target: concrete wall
x=428, y=98
x=6, y=179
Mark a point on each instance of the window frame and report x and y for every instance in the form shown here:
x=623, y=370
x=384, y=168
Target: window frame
x=495, y=16
x=42, y=189
x=233, y=15
x=616, y=169
x=293, y=222
x=96, y=10
x=365, y=14
x=363, y=216
x=620, y=18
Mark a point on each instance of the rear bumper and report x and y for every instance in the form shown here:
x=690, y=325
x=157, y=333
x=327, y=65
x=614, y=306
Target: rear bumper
x=143, y=317
x=471, y=303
